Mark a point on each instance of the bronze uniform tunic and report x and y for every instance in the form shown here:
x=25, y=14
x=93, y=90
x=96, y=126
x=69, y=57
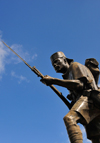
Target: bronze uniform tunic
x=84, y=105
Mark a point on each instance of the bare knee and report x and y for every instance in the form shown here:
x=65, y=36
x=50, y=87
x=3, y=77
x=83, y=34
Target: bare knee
x=71, y=118
x=68, y=120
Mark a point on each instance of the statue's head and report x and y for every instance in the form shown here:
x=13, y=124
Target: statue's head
x=60, y=62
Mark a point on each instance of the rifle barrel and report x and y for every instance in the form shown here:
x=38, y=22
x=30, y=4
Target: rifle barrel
x=36, y=71
x=17, y=55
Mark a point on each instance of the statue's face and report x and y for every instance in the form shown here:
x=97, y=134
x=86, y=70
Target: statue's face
x=60, y=65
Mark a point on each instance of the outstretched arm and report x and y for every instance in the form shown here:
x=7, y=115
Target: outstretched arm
x=69, y=84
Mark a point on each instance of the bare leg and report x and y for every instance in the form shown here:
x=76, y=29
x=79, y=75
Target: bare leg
x=73, y=129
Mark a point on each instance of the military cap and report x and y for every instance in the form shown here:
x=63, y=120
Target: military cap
x=59, y=55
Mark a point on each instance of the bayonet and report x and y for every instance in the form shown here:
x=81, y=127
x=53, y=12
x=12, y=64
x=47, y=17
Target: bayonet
x=39, y=74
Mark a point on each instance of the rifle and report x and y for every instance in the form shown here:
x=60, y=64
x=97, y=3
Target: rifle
x=39, y=74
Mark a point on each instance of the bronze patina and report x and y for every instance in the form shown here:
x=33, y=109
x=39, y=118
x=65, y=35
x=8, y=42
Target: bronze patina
x=81, y=81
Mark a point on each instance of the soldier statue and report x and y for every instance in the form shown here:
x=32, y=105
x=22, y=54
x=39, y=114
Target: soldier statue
x=81, y=82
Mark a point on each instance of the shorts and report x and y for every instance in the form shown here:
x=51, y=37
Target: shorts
x=85, y=107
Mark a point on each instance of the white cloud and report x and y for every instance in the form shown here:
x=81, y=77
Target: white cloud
x=20, y=52
x=3, y=54
x=34, y=56
x=20, y=78
x=8, y=57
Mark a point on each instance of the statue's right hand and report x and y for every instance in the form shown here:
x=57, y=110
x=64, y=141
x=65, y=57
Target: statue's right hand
x=47, y=80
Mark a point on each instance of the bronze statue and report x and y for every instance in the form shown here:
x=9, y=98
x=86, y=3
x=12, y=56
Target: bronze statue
x=81, y=81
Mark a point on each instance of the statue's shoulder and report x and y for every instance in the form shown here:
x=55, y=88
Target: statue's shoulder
x=76, y=65
x=78, y=70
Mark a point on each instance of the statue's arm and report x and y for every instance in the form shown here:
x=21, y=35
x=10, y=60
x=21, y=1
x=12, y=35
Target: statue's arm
x=69, y=84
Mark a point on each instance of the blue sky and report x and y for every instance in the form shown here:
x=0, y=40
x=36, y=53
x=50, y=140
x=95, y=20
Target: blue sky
x=31, y=112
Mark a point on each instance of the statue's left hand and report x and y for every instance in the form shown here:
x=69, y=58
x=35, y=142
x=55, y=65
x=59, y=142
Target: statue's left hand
x=47, y=80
